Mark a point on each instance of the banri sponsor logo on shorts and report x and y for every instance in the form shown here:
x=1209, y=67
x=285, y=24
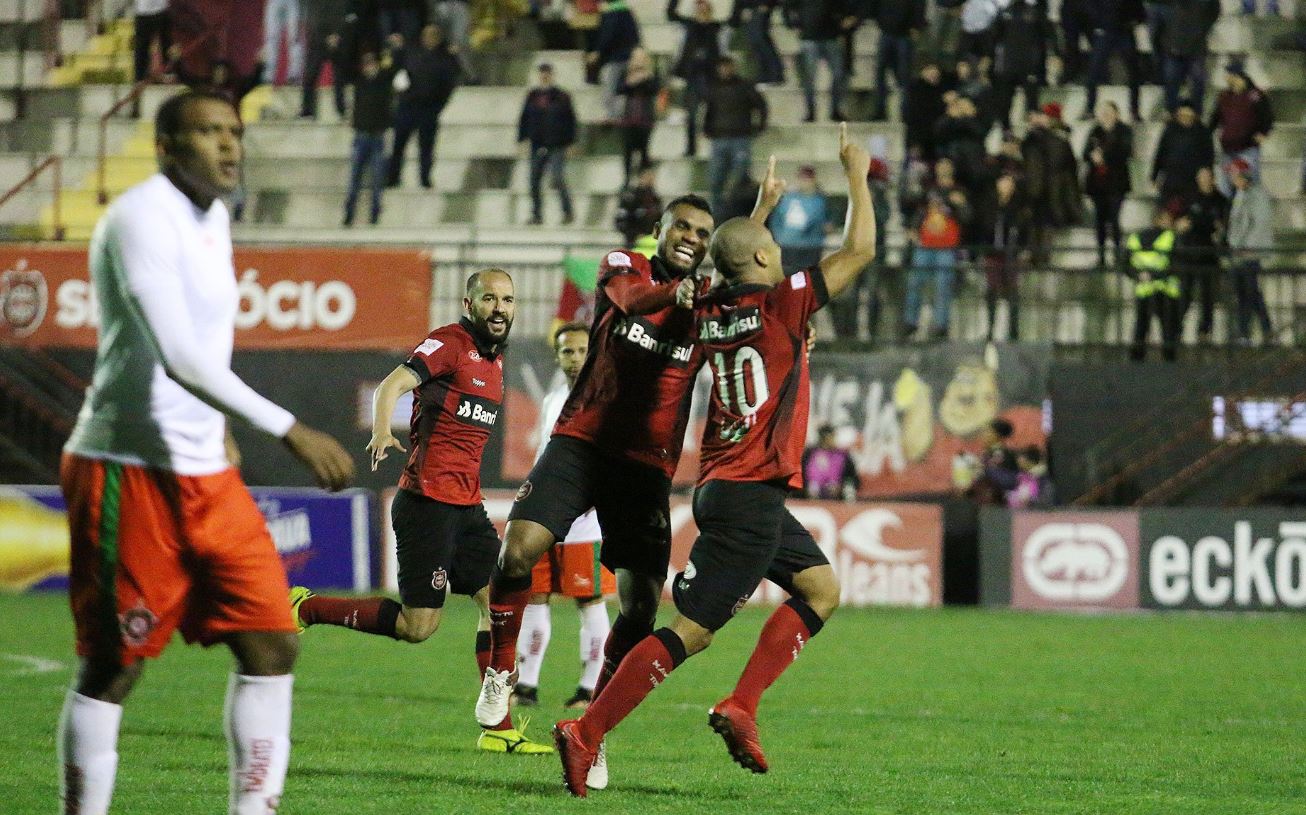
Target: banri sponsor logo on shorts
x=1074, y=560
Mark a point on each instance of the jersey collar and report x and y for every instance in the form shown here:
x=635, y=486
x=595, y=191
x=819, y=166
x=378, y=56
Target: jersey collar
x=661, y=272
x=489, y=351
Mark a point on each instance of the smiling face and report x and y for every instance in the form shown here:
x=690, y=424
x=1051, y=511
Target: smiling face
x=206, y=151
x=490, y=306
x=682, y=236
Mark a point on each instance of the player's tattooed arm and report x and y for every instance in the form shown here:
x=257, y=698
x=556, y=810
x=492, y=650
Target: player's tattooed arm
x=842, y=267
x=769, y=194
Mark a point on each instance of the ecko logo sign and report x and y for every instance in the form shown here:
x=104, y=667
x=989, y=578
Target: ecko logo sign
x=1198, y=564
x=1074, y=560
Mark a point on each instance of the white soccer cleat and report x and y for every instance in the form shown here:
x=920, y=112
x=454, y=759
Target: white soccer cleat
x=597, y=779
x=492, y=704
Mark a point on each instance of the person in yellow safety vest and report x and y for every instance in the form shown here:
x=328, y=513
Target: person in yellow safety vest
x=1156, y=286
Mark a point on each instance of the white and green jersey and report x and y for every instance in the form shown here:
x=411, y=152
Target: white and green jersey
x=166, y=287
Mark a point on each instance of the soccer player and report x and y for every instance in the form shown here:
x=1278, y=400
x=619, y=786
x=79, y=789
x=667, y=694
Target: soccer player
x=165, y=535
x=443, y=538
x=752, y=333
x=572, y=569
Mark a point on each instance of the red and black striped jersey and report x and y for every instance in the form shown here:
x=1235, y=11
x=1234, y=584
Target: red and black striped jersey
x=754, y=338
x=631, y=399
x=454, y=410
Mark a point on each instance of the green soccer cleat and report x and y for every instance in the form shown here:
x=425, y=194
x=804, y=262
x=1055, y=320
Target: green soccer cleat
x=511, y=741
x=298, y=594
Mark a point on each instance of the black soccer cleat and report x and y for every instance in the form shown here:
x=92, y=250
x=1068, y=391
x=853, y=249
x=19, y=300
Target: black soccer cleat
x=526, y=696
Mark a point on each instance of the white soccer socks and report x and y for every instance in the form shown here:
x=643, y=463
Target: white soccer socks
x=532, y=643
x=258, y=741
x=594, y=627
x=88, y=754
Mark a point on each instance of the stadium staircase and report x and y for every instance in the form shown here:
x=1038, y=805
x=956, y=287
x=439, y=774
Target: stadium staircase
x=39, y=399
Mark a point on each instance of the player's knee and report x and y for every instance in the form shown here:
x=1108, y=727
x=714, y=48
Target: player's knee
x=824, y=598
x=522, y=547
x=108, y=680
x=417, y=625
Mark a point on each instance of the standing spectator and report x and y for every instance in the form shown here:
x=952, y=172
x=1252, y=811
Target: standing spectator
x=1004, y=224
x=800, y=221
x=934, y=260
x=700, y=50
x=736, y=113
x=455, y=20
x=1156, y=288
x=325, y=24
x=1251, y=233
x=1158, y=14
x=1185, y=146
x=973, y=83
x=1198, y=254
x=1107, y=152
x=548, y=125
x=1022, y=37
x=1241, y=121
x=617, y=37
x=640, y=89
x=977, y=19
x=281, y=18
x=432, y=76
x=820, y=23
x=829, y=470
x=373, y=90
x=1033, y=486
x=959, y=137
x=402, y=17
x=149, y=25
x=1076, y=24
x=922, y=105
x=639, y=207
x=1183, y=48
x=1114, y=22
x=1051, y=179
x=844, y=309
x=900, y=22
x=755, y=18
x=996, y=466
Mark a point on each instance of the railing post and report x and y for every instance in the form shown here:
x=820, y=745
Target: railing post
x=58, y=198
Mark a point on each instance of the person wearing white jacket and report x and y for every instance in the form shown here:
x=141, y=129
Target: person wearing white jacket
x=1251, y=232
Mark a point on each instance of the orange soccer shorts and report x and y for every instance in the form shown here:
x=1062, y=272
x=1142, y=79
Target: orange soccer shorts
x=572, y=570
x=153, y=552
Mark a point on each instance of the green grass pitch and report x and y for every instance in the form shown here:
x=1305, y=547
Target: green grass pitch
x=952, y=711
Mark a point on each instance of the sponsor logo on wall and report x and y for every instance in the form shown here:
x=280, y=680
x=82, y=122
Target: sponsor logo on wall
x=1074, y=560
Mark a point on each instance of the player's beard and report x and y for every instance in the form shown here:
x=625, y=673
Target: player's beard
x=483, y=332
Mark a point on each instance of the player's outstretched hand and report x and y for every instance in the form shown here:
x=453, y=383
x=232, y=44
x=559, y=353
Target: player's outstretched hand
x=380, y=446
x=330, y=464
x=686, y=291
x=856, y=161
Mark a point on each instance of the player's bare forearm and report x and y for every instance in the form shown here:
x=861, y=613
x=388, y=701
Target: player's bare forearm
x=858, y=250
x=769, y=193
x=400, y=381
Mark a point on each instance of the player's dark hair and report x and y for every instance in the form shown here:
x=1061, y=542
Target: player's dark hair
x=567, y=328
x=474, y=279
x=1002, y=428
x=168, y=118
x=688, y=200
x=1033, y=453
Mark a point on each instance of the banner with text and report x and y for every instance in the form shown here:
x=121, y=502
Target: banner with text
x=319, y=299
x=883, y=553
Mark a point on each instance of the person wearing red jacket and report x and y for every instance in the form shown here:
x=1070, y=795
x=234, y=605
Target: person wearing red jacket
x=1241, y=121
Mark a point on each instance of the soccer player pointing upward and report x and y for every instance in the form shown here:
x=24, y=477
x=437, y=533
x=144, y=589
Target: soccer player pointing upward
x=752, y=333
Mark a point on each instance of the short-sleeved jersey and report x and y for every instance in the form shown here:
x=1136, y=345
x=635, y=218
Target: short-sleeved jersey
x=454, y=409
x=754, y=338
x=632, y=397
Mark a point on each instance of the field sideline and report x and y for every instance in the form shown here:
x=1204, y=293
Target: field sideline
x=953, y=711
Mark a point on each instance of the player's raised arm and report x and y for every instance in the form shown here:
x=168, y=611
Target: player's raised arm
x=843, y=266
x=400, y=381
x=769, y=194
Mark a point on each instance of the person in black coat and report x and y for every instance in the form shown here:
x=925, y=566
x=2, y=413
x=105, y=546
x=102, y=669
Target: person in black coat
x=1002, y=229
x=1197, y=253
x=327, y=28
x=1184, y=49
x=820, y=24
x=696, y=63
x=1022, y=37
x=433, y=72
x=1107, y=152
x=754, y=17
x=548, y=126
x=1114, y=22
x=1185, y=147
x=922, y=105
x=373, y=96
x=900, y=23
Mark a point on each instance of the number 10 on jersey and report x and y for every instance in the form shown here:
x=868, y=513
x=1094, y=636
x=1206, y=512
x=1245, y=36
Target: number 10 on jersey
x=741, y=385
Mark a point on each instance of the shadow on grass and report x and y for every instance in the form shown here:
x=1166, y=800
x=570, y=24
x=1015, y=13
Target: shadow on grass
x=478, y=783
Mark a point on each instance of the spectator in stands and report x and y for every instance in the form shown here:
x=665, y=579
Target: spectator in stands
x=996, y=464
x=844, y=309
x=1157, y=14
x=1185, y=146
x=1107, y=152
x=943, y=32
x=754, y=16
x=455, y=20
x=1114, y=22
x=972, y=82
x=325, y=23
x=900, y=22
x=1251, y=234
x=1009, y=159
x=977, y=19
x=402, y=17
x=373, y=90
x=700, y=50
x=548, y=126
x=1076, y=24
x=1051, y=179
x=617, y=37
x=1241, y=121
x=1183, y=48
x=281, y=19
x=1156, y=286
x=1003, y=231
x=922, y=105
x=913, y=185
x=1197, y=254
x=1033, y=487
x=639, y=207
x=1022, y=39
x=820, y=23
x=829, y=470
x=959, y=136
x=938, y=237
x=800, y=222
x=640, y=88
x=736, y=113
x=433, y=73
x=151, y=25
